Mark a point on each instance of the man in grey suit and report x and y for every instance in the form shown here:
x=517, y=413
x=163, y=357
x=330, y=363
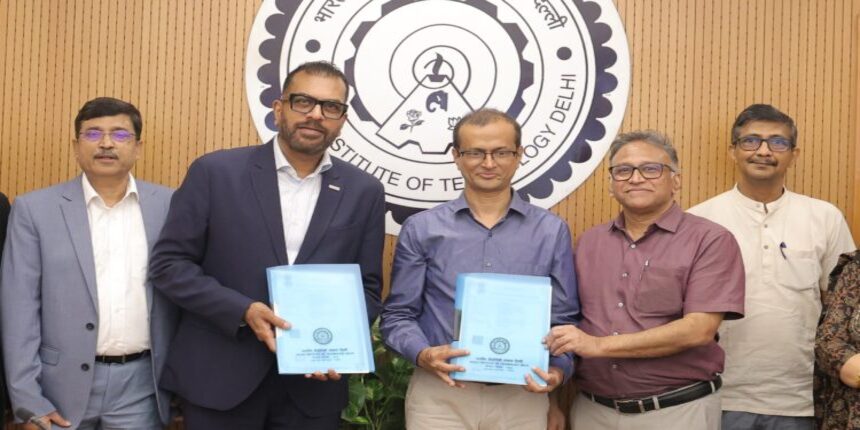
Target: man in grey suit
x=84, y=334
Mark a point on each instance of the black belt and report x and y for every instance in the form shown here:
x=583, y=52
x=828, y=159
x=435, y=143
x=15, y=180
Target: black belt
x=665, y=400
x=121, y=359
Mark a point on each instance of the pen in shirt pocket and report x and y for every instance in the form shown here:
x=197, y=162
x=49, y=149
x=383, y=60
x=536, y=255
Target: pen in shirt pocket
x=644, y=267
x=782, y=248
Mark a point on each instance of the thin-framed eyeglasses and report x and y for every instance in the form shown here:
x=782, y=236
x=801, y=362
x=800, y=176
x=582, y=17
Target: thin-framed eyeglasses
x=499, y=155
x=303, y=103
x=623, y=172
x=774, y=143
x=94, y=135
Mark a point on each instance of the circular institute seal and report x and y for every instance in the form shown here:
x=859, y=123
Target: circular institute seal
x=322, y=336
x=560, y=67
x=500, y=345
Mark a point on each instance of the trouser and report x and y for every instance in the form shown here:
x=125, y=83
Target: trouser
x=700, y=414
x=433, y=405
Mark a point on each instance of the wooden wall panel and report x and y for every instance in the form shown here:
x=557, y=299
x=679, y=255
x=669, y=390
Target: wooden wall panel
x=181, y=63
x=854, y=136
x=695, y=64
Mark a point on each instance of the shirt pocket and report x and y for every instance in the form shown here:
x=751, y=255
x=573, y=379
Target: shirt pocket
x=660, y=292
x=798, y=269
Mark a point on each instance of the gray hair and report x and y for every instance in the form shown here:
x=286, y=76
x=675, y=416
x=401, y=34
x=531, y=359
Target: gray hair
x=651, y=137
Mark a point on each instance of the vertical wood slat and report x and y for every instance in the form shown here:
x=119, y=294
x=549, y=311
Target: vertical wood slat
x=854, y=124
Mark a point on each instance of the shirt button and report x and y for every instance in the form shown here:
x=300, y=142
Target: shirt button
x=614, y=366
x=624, y=275
x=620, y=305
x=488, y=264
x=490, y=234
x=765, y=247
x=765, y=226
x=633, y=245
x=90, y=326
x=85, y=367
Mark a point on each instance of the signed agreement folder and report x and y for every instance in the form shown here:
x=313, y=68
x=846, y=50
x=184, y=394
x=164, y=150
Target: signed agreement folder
x=501, y=320
x=324, y=303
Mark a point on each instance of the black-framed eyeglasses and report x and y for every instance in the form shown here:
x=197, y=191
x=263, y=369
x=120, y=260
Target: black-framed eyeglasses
x=94, y=135
x=501, y=155
x=303, y=103
x=774, y=143
x=623, y=172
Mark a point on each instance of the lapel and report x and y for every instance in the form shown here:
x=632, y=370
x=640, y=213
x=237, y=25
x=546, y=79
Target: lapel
x=331, y=191
x=264, y=181
x=151, y=210
x=77, y=223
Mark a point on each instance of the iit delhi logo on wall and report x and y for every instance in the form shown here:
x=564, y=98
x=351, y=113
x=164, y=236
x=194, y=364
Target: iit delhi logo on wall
x=560, y=67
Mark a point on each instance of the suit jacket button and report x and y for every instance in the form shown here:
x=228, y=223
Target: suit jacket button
x=90, y=326
x=85, y=367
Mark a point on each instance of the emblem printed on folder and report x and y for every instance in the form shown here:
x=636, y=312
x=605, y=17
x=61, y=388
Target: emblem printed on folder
x=322, y=336
x=560, y=67
x=500, y=345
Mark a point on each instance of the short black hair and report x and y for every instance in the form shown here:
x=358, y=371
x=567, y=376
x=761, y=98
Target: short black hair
x=484, y=116
x=763, y=112
x=108, y=106
x=318, y=68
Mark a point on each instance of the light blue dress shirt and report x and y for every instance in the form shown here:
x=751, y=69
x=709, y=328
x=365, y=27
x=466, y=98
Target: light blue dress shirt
x=437, y=244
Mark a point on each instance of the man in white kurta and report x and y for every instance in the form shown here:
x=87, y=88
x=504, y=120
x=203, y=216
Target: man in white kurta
x=789, y=243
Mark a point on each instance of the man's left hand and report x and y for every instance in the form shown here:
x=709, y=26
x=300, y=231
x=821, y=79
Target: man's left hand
x=568, y=338
x=553, y=379
x=331, y=375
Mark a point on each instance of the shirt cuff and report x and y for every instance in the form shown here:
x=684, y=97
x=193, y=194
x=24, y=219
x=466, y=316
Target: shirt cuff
x=412, y=349
x=563, y=362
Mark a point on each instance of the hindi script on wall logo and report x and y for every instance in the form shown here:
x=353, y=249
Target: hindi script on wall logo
x=560, y=67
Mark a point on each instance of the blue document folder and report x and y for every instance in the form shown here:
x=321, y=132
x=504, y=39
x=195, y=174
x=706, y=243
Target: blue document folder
x=501, y=320
x=325, y=305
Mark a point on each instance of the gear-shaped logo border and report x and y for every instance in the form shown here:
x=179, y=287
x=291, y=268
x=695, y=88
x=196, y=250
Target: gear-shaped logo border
x=580, y=151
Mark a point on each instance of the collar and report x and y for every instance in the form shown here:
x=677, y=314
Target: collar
x=757, y=206
x=281, y=162
x=517, y=203
x=90, y=193
x=668, y=221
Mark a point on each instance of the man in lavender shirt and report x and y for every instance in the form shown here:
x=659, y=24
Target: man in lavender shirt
x=655, y=284
x=489, y=228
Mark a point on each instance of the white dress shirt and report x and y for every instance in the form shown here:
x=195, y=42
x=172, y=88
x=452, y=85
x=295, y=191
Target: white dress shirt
x=298, y=199
x=789, y=247
x=120, y=254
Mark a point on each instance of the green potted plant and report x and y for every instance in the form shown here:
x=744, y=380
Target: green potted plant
x=376, y=399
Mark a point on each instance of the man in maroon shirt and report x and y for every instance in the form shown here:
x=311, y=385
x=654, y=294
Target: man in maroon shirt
x=655, y=283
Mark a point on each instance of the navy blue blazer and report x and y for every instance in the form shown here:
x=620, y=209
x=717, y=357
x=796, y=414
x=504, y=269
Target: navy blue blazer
x=223, y=230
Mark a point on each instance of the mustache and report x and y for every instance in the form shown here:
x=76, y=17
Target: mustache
x=311, y=124
x=106, y=154
x=759, y=160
